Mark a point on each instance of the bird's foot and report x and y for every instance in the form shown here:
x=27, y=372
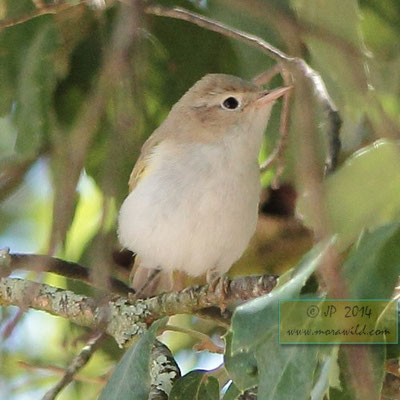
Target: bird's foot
x=219, y=285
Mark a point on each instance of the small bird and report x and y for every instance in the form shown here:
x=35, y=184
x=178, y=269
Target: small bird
x=194, y=191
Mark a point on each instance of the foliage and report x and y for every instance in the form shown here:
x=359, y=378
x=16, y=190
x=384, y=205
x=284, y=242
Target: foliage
x=131, y=378
x=80, y=92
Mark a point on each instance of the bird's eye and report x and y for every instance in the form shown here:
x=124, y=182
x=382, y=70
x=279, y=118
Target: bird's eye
x=230, y=103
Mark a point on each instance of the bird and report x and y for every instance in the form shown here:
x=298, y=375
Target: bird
x=194, y=190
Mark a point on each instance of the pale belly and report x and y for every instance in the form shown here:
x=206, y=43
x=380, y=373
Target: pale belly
x=191, y=217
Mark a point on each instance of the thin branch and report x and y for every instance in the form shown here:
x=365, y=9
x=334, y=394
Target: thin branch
x=219, y=27
x=120, y=318
x=40, y=263
x=8, y=328
x=12, y=173
x=280, y=147
x=266, y=76
x=77, y=364
x=164, y=372
x=68, y=269
x=53, y=9
x=334, y=121
x=61, y=371
x=206, y=342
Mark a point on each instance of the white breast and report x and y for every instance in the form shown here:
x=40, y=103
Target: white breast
x=195, y=210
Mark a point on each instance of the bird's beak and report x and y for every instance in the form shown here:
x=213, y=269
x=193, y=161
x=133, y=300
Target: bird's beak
x=269, y=96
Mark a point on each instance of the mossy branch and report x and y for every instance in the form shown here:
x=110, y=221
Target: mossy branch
x=117, y=315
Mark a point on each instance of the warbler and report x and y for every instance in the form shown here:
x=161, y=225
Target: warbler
x=194, y=191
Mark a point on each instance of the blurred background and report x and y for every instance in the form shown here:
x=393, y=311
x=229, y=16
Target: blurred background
x=83, y=88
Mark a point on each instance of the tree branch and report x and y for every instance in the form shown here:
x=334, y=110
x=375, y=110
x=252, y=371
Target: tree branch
x=164, y=370
x=61, y=371
x=120, y=318
x=77, y=364
x=219, y=27
x=12, y=173
x=68, y=269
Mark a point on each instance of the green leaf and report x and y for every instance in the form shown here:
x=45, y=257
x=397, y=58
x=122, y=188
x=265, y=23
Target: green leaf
x=14, y=44
x=242, y=367
x=327, y=375
x=373, y=266
x=196, y=385
x=15, y=9
x=334, y=59
x=285, y=370
x=36, y=82
x=253, y=321
x=85, y=60
x=363, y=193
x=131, y=378
x=381, y=29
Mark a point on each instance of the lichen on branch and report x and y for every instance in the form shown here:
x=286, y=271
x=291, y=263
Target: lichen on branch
x=117, y=315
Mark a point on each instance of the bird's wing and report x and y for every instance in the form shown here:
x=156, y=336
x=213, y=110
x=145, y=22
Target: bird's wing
x=141, y=167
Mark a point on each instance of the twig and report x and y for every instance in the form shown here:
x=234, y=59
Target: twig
x=61, y=371
x=77, y=364
x=53, y=9
x=292, y=64
x=283, y=133
x=205, y=341
x=11, y=175
x=280, y=147
x=333, y=117
x=282, y=142
x=219, y=27
x=9, y=326
x=120, y=318
x=266, y=76
x=164, y=371
x=68, y=269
